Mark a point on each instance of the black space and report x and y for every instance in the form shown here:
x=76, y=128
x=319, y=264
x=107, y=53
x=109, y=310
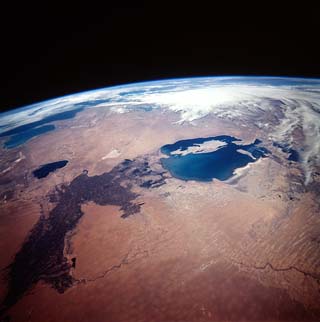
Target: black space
x=51, y=51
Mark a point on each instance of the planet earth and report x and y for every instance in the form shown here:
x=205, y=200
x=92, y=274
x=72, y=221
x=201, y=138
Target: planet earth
x=191, y=199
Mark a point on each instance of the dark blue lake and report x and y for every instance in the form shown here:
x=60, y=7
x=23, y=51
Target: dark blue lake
x=219, y=164
x=45, y=169
x=48, y=119
x=23, y=133
x=20, y=138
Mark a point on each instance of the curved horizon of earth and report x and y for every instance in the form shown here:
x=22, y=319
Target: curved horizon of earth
x=297, y=99
x=201, y=194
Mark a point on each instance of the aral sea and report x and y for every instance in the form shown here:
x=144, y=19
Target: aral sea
x=204, y=165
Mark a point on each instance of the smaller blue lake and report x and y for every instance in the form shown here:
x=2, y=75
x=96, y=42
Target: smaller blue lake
x=45, y=169
x=293, y=155
x=218, y=164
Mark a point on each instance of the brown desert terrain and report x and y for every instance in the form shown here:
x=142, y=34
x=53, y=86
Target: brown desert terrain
x=145, y=246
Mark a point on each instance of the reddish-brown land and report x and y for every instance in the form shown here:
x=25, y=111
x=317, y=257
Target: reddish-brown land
x=246, y=249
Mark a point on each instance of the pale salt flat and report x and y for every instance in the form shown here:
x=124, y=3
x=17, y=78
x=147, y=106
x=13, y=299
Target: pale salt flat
x=112, y=154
